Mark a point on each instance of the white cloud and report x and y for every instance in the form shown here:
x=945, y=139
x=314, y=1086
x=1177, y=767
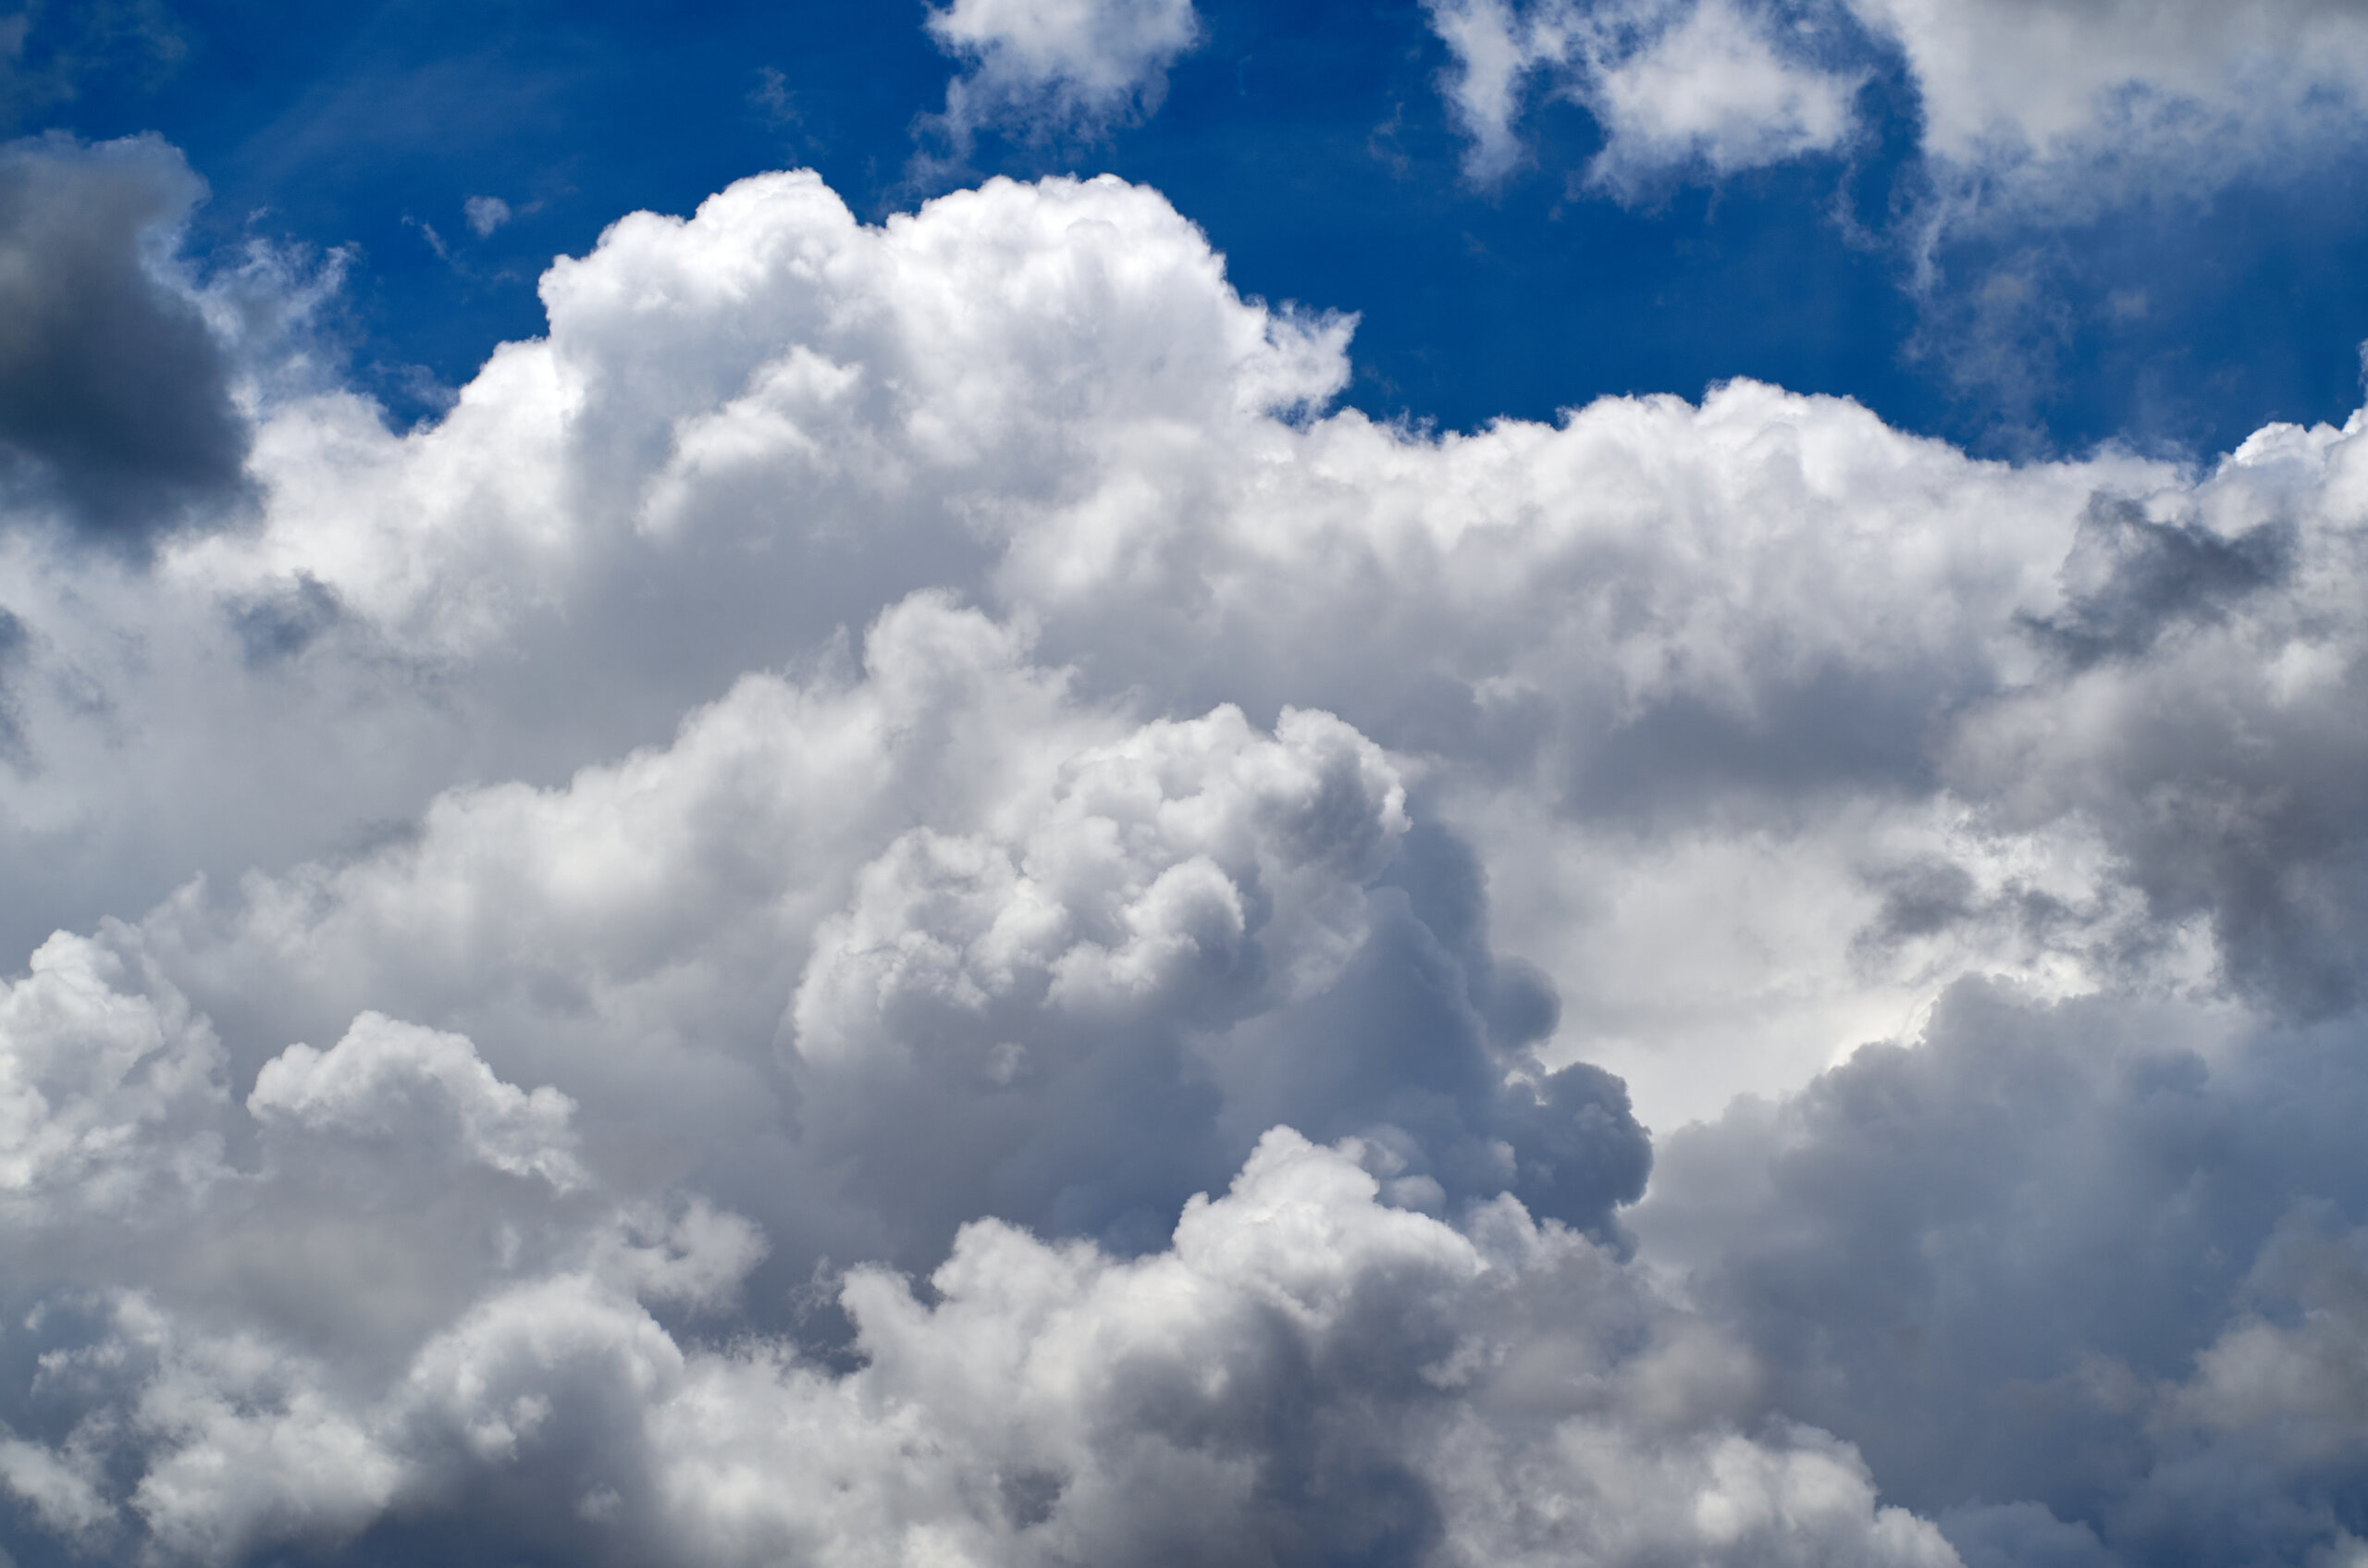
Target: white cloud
x=1677, y=85
x=2190, y=84
x=2030, y=116
x=1059, y=405
x=2039, y=94
x=106, y=1095
x=486, y=214
x=416, y=1090
x=1714, y=89
x=1133, y=1404
x=1120, y=953
x=1059, y=67
x=2032, y=122
x=1712, y=586
x=874, y=746
x=1300, y=1358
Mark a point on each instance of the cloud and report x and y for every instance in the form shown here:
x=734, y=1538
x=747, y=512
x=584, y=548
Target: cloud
x=1716, y=90
x=2022, y=102
x=2039, y=1255
x=1618, y=635
x=1707, y=85
x=933, y=752
x=115, y=410
x=1300, y=1369
x=2036, y=137
x=486, y=214
x=1058, y=68
x=1134, y=1405
x=414, y=1090
x=999, y=953
x=110, y=1093
x=2184, y=87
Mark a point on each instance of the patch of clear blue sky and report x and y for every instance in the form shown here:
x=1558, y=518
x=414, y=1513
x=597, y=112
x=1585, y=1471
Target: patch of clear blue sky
x=1310, y=142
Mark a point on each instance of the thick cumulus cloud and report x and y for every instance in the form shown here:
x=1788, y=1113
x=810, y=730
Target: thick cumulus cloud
x=1301, y=1372
x=1058, y=68
x=1647, y=655
x=401, y=1294
x=748, y=430
x=116, y=417
x=928, y=752
x=935, y=943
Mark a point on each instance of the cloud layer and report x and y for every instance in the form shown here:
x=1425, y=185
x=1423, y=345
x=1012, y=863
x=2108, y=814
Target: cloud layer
x=894, y=901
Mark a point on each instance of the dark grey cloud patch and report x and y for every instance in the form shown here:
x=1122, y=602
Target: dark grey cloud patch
x=1099, y=1112
x=1836, y=730
x=2129, y=579
x=1919, y=898
x=2206, y=720
x=115, y=398
x=15, y=644
x=2007, y=1262
x=1424, y=1049
x=277, y=626
x=2023, y=1534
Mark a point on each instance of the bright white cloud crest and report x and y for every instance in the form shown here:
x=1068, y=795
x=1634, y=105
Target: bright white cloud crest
x=874, y=753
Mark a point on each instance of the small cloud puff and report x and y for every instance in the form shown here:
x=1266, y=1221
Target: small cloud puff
x=486, y=214
x=1677, y=85
x=1058, y=68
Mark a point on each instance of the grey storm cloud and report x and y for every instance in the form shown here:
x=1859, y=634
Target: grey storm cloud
x=12, y=651
x=2094, y=1256
x=114, y=397
x=896, y=901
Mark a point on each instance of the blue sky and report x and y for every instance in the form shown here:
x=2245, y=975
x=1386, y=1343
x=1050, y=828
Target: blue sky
x=1314, y=146
x=1491, y=784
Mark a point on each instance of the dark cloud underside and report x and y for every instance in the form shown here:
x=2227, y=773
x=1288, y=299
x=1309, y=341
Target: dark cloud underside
x=114, y=403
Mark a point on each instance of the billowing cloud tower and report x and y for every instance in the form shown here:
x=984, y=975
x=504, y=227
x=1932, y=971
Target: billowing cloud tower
x=900, y=899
